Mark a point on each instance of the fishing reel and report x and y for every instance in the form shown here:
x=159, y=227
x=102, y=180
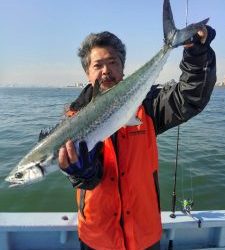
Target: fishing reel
x=187, y=205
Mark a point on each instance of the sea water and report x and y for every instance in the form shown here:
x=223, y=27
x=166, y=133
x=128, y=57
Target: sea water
x=201, y=155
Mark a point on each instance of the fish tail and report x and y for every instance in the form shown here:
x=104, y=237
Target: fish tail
x=174, y=37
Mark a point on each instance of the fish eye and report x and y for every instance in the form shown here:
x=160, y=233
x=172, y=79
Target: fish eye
x=19, y=175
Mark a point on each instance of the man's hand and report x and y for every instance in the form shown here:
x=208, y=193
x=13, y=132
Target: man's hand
x=67, y=155
x=82, y=165
x=203, y=36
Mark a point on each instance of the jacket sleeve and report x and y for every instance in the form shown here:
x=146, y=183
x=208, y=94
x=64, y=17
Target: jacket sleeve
x=174, y=104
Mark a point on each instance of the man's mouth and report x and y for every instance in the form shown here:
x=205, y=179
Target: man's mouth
x=108, y=80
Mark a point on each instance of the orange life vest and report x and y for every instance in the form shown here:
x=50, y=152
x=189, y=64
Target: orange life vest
x=122, y=212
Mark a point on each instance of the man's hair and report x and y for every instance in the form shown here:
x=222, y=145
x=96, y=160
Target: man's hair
x=103, y=39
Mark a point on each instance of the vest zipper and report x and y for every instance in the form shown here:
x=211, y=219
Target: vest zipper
x=82, y=202
x=114, y=139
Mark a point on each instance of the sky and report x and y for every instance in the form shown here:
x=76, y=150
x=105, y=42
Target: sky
x=39, y=39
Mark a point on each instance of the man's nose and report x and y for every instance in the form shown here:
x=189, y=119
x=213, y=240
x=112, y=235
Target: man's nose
x=106, y=69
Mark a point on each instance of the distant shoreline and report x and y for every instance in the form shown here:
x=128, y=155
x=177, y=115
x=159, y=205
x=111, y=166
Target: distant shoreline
x=65, y=87
x=40, y=87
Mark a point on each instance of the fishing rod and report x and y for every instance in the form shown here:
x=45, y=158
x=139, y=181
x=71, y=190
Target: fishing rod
x=174, y=196
x=186, y=204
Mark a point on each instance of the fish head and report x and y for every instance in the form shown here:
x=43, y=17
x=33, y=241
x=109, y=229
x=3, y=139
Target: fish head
x=25, y=174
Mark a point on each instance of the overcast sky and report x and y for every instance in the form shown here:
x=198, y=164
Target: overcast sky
x=39, y=38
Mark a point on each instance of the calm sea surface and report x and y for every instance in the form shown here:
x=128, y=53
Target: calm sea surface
x=201, y=159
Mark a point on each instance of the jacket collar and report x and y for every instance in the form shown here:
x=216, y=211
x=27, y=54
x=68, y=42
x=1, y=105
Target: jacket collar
x=83, y=99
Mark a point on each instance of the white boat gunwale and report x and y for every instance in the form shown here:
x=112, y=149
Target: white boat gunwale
x=58, y=230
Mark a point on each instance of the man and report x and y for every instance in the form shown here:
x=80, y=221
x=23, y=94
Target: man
x=117, y=182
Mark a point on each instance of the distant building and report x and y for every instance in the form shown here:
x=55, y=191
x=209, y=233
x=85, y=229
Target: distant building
x=220, y=84
x=76, y=85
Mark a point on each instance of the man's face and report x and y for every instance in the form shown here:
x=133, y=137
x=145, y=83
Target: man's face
x=105, y=66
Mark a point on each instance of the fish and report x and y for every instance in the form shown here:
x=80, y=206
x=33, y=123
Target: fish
x=107, y=112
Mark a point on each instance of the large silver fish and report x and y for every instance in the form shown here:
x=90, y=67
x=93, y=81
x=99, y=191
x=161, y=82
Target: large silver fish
x=106, y=113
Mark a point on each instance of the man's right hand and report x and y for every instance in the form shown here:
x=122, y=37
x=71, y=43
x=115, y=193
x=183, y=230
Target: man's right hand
x=82, y=165
x=67, y=155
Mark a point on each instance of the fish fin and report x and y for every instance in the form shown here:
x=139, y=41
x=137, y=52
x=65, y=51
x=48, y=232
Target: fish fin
x=172, y=36
x=96, y=89
x=47, y=131
x=134, y=121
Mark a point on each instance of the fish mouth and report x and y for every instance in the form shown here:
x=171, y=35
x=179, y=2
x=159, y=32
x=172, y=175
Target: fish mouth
x=13, y=183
